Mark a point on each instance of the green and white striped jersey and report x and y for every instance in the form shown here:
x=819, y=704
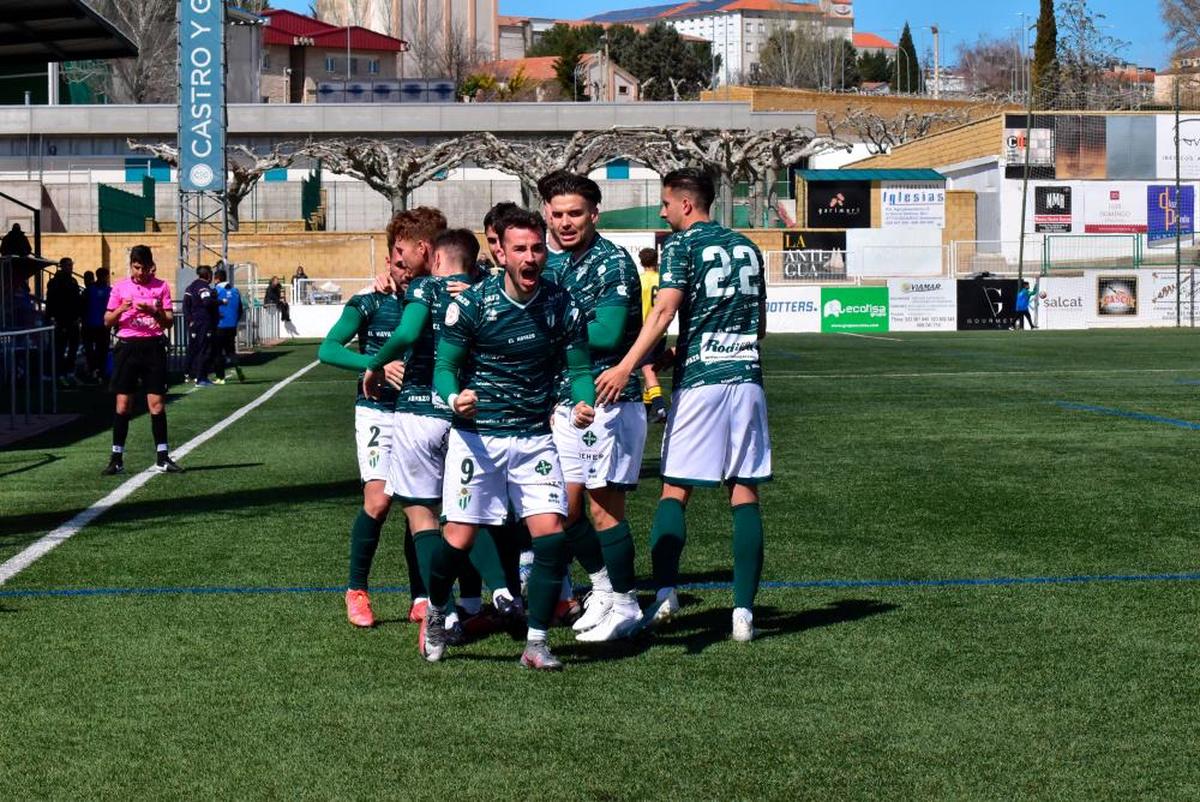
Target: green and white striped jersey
x=719, y=273
x=416, y=395
x=514, y=353
x=603, y=276
x=380, y=317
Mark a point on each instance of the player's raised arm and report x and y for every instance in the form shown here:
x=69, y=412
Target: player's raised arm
x=610, y=383
x=333, y=350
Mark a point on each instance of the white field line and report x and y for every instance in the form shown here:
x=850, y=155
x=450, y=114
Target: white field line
x=41, y=547
x=941, y=374
x=870, y=337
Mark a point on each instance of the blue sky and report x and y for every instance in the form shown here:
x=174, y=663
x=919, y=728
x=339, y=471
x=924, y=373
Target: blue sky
x=1134, y=21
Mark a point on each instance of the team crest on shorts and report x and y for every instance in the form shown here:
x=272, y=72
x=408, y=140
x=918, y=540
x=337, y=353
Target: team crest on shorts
x=373, y=457
x=464, y=498
x=544, y=468
x=589, y=438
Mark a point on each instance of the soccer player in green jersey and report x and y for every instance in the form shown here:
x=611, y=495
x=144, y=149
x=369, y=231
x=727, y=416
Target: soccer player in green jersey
x=501, y=346
x=371, y=318
x=422, y=422
x=716, y=430
x=603, y=461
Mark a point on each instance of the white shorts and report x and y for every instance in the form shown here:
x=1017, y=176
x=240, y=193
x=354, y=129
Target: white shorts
x=717, y=434
x=373, y=439
x=606, y=454
x=485, y=472
x=418, y=458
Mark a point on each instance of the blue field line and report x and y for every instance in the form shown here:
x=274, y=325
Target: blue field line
x=1124, y=413
x=966, y=582
x=1187, y=381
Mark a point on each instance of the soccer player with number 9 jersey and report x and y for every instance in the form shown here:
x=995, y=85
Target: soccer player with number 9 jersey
x=716, y=431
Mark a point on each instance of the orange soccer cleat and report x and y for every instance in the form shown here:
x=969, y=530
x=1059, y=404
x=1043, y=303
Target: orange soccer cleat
x=358, y=608
x=416, y=613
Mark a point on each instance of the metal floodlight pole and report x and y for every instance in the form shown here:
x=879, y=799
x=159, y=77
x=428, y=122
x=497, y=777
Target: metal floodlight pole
x=1025, y=188
x=348, y=13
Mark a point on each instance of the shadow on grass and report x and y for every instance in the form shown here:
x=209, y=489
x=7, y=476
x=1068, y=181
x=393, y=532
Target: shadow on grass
x=37, y=462
x=227, y=466
x=21, y=530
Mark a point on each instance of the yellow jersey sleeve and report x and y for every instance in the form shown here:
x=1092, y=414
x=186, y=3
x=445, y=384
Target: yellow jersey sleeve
x=649, y=291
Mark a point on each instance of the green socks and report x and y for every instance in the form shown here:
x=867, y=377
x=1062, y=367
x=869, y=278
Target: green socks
x=425, y=545
x=364, y=540
x=667, y=536
x=617, y=547
x=485, y=556
x=747, y=554
x=584, y=546
x=550, y=556
x=447, y=563
x=416, y=582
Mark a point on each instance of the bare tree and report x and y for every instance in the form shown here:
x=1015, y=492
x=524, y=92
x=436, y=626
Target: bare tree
x=393, y=168
x=798, y=56
x=150, y=77
x=245, y=172
x=880, y=134
x=440, y=48
x=989, y=64
x=1182, y=20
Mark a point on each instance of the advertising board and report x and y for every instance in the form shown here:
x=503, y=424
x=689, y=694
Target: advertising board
x=202, y=95
x=1052, y=210
x=1113, y=209
x=986, y=303
x=923, y=304
x=854, y=309
x=839, y=204
x=912, y=203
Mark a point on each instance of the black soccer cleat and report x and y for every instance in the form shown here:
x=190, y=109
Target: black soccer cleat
x=166, y=465
x=115, y=465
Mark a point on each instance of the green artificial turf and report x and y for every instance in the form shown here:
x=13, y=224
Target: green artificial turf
x=958, y=456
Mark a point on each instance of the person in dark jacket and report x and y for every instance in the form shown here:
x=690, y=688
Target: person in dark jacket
x=64, y=307
x=96, y=336
x=274, y=295
x=200, y=310
x=15, y=243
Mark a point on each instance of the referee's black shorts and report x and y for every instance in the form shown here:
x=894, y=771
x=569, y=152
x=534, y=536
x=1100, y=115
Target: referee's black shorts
x=140, y=364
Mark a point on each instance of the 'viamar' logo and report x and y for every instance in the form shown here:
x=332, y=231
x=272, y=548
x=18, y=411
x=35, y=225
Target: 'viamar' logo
x=833, y=308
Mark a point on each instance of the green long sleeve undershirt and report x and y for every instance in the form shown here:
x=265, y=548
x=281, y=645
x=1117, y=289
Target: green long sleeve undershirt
x=451, y=357
x=412, y=323
x=333, y=350
x=604, y=333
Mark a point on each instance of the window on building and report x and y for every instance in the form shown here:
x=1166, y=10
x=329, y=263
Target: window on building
x=749, y=27
x=354, y=66
x=622, y=90
x=749, y=47
x=373, y=66
x=330, y=64
x=266, y=65
x=762, y=27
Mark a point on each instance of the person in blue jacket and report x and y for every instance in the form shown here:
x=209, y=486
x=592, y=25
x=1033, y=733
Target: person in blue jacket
x=1024, y=296
x=225, y=344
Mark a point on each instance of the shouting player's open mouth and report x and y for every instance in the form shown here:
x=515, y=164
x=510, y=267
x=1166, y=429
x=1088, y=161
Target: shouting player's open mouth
x=527, y=278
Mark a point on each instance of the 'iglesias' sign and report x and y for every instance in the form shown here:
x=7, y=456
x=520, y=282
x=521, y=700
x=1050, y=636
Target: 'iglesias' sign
x=202, y=95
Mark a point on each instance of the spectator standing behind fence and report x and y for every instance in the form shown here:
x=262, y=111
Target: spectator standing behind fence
x=140, y=308
x=15, y=243
x=274, y=295
x=64, y=307
x=200, y=311
x=299, y=285
x=225, y=345
x=96, y=335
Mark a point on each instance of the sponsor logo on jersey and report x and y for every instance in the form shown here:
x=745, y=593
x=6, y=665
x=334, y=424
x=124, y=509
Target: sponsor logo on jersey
x=544, y=468
x=728, y=347
x=452, y=314
x=589, y=438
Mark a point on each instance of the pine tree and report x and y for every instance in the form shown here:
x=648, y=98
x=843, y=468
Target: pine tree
x=908, y=69
x=1045, y=56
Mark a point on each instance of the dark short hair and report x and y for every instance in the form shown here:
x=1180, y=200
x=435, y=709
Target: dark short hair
x=561, y=182
x=648, y=257
x=523, y=219
x=101, y=272
x=501, y=208
x=462, y=243
x=204, y=272
x=694, y=182
x=142, y=254
x=220, y=275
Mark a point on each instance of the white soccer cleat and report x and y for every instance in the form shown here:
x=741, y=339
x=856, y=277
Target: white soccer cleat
x=743, y=625
x=665, y=607
x=595, y=606
x=621, y=621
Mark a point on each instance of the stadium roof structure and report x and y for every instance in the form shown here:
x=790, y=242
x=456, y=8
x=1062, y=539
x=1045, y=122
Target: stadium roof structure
x=290, y=29
x=43, y=31
x=870, y=175
x=695, y=8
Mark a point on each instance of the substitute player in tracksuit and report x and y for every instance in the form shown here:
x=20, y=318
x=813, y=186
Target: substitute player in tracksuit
x=200, y=310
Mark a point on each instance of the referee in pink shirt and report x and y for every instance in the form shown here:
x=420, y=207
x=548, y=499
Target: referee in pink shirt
x=140, y=308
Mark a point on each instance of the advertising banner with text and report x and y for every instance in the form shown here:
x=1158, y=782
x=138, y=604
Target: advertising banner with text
x=923, y=305
x=986, y=303
x=854, y=310
x=202, y=95
x=794, y=310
